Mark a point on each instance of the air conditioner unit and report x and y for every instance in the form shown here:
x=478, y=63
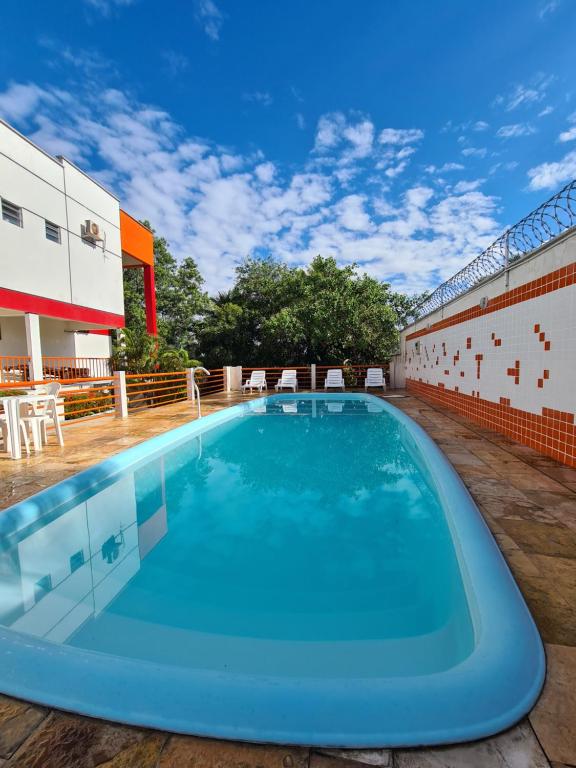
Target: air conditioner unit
x=483, y=302
x=91, y=231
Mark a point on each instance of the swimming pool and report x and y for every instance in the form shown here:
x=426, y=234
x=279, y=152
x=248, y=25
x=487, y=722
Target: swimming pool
x=301, y=569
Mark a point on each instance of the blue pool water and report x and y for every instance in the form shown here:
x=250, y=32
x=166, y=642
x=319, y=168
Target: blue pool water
x=303, y=569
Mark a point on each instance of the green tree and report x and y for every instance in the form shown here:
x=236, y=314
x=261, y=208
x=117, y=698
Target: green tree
x=276, y=314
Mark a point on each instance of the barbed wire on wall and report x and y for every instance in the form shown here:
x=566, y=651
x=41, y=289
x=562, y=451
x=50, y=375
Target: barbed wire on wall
x=552, y=218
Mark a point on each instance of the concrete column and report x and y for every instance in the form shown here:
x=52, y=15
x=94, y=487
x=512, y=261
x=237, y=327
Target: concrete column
x=227, y=378
x=190, y=391
x=34, y=346
x=236, y=380
x=120, y=394
x=313, y=376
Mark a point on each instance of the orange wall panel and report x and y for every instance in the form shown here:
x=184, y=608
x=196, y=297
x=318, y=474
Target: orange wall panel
x=137, y=241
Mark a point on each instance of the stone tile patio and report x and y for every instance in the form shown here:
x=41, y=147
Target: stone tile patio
x=529, y=502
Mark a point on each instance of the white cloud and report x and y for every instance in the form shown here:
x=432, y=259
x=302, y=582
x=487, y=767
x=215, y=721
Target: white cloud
x=396, y=170
x=361, y=137
x=344, y=139
x=300, y=120
x=553, y=175
x=175, y=63
x=220, y=205
x=568, y=135
x=515, y=130
x=19, y=101
x=468, y=186
x=508, y=166
x=400, y=136
x=329, y=131
x=259, y=97
x=480, y=125
x=546, y=111
x=209, y=17
x=548, y=8
x=105, y=7
x=352, y=214
x=444, y=168
x=525, y=95
x=475, y=152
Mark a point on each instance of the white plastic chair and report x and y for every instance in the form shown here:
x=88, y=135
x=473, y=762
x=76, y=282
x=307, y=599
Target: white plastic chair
x=375, y=378
x=288, y=380
x=5, y=429
x=36, y=416
x=334, y=379
x=257, y=381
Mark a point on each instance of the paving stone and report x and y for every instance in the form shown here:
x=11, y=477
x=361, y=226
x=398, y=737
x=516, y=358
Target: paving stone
x=17, y=721
x=191, y=752
x=554, y=716
x=68, y=741
x=378, y=757
x=516, y=748
x=541, y=538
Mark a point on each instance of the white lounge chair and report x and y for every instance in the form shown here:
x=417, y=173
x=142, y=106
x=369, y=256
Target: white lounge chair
x=288, y=380
x=334, y=379
x=257, y=381
x=375, y=378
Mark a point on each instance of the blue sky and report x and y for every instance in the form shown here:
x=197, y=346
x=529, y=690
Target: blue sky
x=402, y=136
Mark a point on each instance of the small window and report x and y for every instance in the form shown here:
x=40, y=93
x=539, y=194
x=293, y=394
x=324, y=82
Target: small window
x=42, y=587
x=77, y=560
x=11, y=213
x=52, y=232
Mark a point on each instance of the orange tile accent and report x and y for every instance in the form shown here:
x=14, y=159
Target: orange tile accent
x=553, y=281
x=552, y=432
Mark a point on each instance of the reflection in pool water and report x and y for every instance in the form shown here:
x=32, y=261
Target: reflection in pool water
x=303, y=520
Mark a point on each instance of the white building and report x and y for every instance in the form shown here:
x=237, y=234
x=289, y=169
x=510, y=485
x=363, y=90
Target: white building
x=64, y=242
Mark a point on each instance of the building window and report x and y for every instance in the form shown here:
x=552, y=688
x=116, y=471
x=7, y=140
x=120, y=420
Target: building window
x=42, y=587
x=52, y=232
x=77, y=560
x=11, y=213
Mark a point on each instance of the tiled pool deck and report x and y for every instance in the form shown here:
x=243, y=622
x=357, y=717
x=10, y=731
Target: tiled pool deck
x=528, y=501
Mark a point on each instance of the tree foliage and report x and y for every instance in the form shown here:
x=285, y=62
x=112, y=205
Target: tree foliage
x=276, y=314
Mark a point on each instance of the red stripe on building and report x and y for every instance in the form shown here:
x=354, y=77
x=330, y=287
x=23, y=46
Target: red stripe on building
x=38, y=305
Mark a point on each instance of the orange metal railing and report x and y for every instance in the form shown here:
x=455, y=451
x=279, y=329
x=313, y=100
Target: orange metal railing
x=17, y=368
x=149, y=390
x=76, y=367
x=14, y=368
x=80, y=398
x=210, y=385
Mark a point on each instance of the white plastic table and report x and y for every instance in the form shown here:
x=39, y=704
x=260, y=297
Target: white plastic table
x=12, y=410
